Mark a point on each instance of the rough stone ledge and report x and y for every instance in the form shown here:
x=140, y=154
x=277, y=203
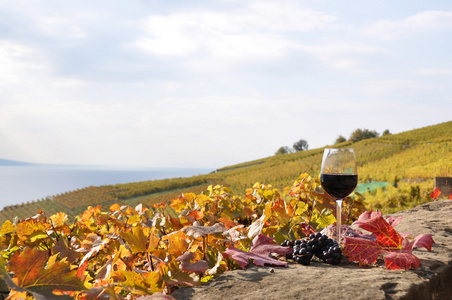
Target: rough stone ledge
x=433, y=280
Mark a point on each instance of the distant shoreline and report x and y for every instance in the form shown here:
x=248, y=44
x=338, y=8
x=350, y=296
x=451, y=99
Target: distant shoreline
x=23, y=183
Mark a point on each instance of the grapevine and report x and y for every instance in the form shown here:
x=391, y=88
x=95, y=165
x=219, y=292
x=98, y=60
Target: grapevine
x=130, y=252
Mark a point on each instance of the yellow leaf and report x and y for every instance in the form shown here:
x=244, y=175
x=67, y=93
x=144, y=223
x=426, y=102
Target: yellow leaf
x=189, y=197
x=302, y=207
x=30, y=226
x=58, y=219
x=134, y=219
x=137, y=239
x=178, y=204
x=267, y=211
x=7, y=227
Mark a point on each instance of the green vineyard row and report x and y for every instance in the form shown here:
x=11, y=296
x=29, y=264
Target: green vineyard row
x=413, y=158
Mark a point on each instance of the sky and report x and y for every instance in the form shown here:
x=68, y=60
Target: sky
x=207, y=84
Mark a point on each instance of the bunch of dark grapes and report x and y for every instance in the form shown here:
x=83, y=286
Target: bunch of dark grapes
x=319, y=245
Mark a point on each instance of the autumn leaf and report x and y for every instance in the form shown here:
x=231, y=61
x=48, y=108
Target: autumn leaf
x=187, y=265
x=197, y=214
x=256, y=227
x=178, y=204
x=259, y=253
x=32, y=230
x=142, y=282
x=227, y=223
x=435, y=194
x=265, y=245
x=64, y=249
x=386, y=241
x=58, y=219
x=40, y=275
x=7, y=227
x=177, y=242
x=386, y=234
x=137, y=239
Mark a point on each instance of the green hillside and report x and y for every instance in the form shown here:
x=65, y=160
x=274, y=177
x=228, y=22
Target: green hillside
x=411, y=159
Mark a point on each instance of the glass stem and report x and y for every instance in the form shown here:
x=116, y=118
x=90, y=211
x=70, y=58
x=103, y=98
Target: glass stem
x=338, y=221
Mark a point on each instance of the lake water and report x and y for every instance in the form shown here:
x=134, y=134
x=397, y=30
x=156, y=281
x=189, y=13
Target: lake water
x=19, y=184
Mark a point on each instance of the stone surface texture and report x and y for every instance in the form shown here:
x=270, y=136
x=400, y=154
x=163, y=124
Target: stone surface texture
x=433, y=280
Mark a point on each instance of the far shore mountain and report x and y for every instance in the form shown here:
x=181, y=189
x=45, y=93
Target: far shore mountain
x=6, y=162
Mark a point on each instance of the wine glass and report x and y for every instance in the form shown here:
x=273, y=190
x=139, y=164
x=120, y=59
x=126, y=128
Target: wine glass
x=339, y=177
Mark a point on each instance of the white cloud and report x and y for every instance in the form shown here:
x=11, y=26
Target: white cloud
x=418, y=23
x=344, y=56
x=254, y=32
x=59, y=27
x=17, y=60
x=383, y=87
x=434, y=71
x=214, y=83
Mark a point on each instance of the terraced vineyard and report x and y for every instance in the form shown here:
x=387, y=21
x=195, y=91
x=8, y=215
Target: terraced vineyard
x=412, y=159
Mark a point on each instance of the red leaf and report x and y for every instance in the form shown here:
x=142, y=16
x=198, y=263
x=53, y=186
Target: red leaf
x=307, y=229
x=242, y=258
x=259, y=253
x=361, y=250
x=395, y=260
x=386, y=235
x=263, y=245
x=422, y=240
x=393, y=221
x=435, y=194
x=450, y=196
x=389, y=242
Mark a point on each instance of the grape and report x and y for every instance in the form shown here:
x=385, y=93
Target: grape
x=316, y=244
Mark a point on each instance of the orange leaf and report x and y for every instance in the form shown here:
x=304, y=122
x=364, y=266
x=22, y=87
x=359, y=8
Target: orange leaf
x=197, y=214
x=89, y=212
x=228, y=223
x=177, y=242
x=115, y=207
x=435, y=194
x=32, y=274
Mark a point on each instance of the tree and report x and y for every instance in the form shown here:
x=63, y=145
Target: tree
x=362, y=134
x=301, y=145
x=386, y=132
x=340, y=139
x=283, y=150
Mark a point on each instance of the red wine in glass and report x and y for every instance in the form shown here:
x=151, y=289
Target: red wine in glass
x=339, y=186
x=339, y=177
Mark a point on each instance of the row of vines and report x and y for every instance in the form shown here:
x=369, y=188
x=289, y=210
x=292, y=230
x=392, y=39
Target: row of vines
x=410, y=157
x=125, y=252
